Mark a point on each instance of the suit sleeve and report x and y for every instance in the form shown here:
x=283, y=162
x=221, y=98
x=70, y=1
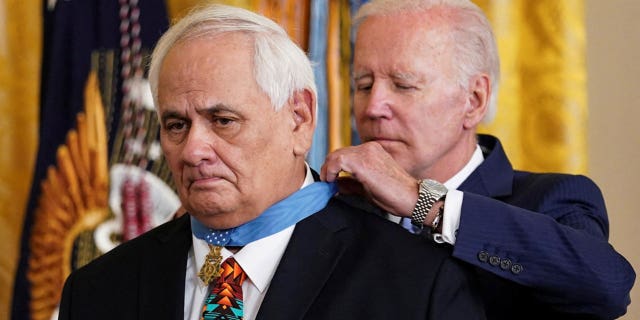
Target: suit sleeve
x=455, y=294
x=558, y=245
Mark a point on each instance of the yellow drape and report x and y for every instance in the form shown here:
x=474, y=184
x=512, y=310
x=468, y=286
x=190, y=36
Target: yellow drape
x=338, y=59
x=20, y=53
x=178, y=8
x=542, y=104
x=292, y=15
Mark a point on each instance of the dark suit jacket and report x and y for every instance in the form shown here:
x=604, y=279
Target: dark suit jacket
x=539, y=242
x=341, y=263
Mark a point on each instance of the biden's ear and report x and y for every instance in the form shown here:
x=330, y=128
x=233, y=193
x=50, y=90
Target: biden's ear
x=303, y=108
x=478, y=100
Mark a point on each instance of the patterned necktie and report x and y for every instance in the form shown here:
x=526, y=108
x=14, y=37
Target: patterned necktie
x=225, y=299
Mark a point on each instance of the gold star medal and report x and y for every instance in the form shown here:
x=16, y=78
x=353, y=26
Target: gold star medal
x=211, y=268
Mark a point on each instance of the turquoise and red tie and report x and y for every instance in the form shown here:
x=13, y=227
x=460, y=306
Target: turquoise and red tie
x=225, y=299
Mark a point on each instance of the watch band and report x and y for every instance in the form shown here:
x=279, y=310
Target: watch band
x=429, y=192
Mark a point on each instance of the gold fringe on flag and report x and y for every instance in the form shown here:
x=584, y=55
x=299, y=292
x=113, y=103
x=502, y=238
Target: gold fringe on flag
x=74, y=199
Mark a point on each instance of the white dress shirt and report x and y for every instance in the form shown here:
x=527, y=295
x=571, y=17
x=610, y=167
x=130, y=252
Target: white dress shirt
x=453, y=202
x=259, y=260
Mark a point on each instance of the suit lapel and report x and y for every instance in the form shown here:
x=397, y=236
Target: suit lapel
x=309, y=260
x=162, y=272
x=494, y=176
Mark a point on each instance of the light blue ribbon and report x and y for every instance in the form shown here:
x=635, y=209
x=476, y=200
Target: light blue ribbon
x=276, y=218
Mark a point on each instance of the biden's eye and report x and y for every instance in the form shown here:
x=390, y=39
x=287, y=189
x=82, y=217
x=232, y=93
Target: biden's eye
x=223, y=121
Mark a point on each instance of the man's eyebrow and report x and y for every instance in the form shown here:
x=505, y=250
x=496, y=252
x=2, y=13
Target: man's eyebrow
x=405, y=76
x=218, y=107
x=360, y=75
x=166, y=115
x=394, y=75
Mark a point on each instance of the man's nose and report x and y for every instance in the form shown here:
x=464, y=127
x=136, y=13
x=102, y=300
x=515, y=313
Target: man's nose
x=379, y=102
x=199, y=146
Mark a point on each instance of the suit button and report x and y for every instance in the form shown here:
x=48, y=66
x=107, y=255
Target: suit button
x=505, y=264
x=516, y=268
x=494, y=261
x=483, y=256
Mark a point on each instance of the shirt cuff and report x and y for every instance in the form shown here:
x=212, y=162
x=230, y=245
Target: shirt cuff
x=451, y=218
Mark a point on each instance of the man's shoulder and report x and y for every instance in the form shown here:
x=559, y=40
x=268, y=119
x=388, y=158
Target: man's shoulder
x=496, y=169
x=374, y=243
x=357, y=203
x=129, y=253
x=371, y=228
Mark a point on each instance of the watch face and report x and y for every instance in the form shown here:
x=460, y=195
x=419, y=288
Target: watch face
x=435, y=187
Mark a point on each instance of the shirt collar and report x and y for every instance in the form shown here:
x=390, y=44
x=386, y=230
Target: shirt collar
x=462, y=175
x=258, y=259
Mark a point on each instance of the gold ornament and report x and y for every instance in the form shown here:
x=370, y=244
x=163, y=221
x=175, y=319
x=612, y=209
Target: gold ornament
x=211, y=267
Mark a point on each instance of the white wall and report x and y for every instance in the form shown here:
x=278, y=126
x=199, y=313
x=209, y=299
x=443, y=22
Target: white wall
x=613, y=65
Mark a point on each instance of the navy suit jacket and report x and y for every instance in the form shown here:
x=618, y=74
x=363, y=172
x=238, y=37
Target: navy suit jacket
x=340, y=263
x=539, y=242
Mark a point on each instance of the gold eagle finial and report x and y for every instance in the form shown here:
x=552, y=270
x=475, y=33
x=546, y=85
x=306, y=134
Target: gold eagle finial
x=74, y=198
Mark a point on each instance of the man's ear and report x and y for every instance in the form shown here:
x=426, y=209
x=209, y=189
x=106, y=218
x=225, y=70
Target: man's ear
x=303, y=107
x=478, y=104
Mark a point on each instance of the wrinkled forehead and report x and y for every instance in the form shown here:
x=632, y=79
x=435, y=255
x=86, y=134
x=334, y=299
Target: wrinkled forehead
x=410, y=29
x=203, y=69
x=403, y=45
x=195, y=58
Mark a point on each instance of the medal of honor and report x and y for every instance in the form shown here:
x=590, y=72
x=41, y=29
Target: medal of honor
x=211, y=268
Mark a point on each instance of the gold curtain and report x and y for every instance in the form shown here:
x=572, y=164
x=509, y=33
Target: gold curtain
x=178, y=8
x=20, y=54
x=292, y=15
x=20, y=69
x=542, y=104
x=338, y=74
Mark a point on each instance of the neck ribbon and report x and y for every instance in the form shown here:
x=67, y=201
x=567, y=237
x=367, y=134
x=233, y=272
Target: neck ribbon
x=276, y=218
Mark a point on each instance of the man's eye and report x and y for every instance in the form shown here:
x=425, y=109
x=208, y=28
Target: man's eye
x=174, y=126
x=404, y=86
x=363, y=87
x=223, y=121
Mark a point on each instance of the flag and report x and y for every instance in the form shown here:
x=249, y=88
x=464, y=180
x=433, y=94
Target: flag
x=82, y=140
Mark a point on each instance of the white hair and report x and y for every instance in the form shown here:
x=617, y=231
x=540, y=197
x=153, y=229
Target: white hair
x=475, y=46
x=280, y=66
